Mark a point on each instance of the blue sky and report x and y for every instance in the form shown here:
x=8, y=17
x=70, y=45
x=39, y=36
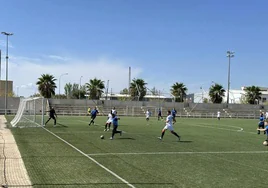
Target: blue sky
x=164, y=41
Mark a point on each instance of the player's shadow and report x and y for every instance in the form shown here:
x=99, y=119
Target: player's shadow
x=62, y=125
x=185, y=141
x=127, y=138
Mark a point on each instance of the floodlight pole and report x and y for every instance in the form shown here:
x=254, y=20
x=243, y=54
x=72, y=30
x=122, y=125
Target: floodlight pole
x=230, y=54
x=60, y=78
x=6, y=86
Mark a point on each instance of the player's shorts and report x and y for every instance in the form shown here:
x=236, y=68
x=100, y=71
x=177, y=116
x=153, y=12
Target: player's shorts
x=53, y=117
x=109, y=121
x=93, y=117
x=261, y=124
x=115, y=126
x=147, y=117
x=169, y=127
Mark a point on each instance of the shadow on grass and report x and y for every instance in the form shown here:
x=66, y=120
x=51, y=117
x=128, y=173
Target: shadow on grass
x=185, y=141
x=62, y=125
x=127, y=138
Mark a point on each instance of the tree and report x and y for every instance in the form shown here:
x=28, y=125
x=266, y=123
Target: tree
x=178, y=90
x=216, y=93
x=82, y=92
x=124, y=91
x=72, y=91
x=252, y=94
x=36, y=95
x=11, y=94
x=68, y=90
x=154, y=91
x=137, y=88
x=46, y=85
x=205, y=100
x=243, y=99
x=95, y=88
x=61, y=96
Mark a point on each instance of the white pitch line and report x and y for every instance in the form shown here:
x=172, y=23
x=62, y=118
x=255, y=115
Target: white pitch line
x=93, y=160
x=241, y=129
x=180, y=153
x=210, y=127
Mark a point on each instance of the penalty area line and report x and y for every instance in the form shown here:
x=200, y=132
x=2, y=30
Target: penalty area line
x=93, y=160
x=181, y=153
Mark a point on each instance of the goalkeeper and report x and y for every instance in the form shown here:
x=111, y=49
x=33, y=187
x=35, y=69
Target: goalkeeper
x=52, y=115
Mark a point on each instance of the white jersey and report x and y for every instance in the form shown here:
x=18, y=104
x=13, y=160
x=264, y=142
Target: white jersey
x=169, y=120
x=266, y=115
x=110, y=118
x=148, y=114
x=114, y=111
x=169, y=123
x=219, y=114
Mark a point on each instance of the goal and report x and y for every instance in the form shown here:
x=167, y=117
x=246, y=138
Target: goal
x=30, y=112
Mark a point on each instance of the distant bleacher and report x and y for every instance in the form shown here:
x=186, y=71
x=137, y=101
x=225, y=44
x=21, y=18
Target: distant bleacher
x=190, y=111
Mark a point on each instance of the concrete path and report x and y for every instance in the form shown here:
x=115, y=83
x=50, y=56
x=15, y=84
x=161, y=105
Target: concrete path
x=13, y=172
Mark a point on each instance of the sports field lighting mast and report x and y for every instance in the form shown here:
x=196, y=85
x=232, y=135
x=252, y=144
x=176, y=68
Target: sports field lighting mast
x=6, y=86
x=60, y=78
x=230, y=55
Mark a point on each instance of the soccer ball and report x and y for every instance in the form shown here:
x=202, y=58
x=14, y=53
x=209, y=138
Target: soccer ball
x=265, y=143
x=101, y=137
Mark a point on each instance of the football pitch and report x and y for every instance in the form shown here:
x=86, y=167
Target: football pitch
x=211, y=153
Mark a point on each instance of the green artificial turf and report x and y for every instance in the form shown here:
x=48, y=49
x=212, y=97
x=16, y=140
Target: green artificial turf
x=211, y=153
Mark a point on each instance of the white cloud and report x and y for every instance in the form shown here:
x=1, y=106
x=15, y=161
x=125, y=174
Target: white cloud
x=56, y=57
x=25, y=71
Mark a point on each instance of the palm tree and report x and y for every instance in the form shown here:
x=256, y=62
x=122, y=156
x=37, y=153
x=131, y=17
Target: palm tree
x=252, y=94
x=138, y=88
x=95, y=88
x=68, y=88
x=178, y=90
x=154, y=91
x=46, y=85
x=124, y=91
x=216, y=93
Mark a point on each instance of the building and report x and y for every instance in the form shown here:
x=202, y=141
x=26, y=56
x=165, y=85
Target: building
x=9, y=87
x=236, y=96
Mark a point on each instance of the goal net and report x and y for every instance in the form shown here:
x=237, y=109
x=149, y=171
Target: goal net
x=30, y=113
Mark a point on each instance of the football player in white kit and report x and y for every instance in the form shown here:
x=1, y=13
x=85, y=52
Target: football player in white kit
x=148, y=114
x=169, y=126
x=219, y=115
x=114, y=111
x=108, y=122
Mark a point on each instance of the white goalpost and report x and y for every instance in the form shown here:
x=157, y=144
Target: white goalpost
x=30, y=113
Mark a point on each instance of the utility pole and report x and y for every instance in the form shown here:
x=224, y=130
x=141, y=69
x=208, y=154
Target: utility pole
x=6, y=87
x=230, y=55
